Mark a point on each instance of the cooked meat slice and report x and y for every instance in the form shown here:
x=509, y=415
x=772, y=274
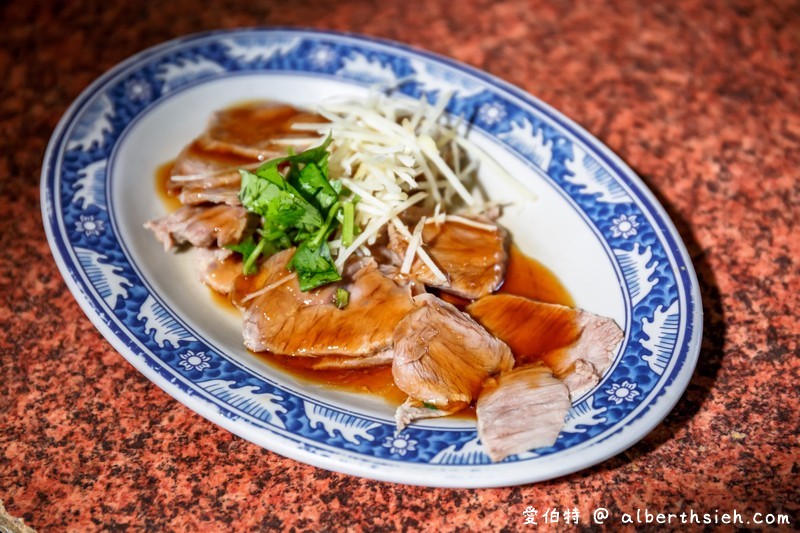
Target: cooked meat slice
x=251, y=130
x=577, y=345
x=583, y=377
x=239, y=137
x=201, y=226
x=442, y=356
x=473, y=258
x=197, y=193
x=218, y=268
x=382, y=358
x=196, y=164
x=393, y=272
x=286, y=321
x=413, y=409
x=521, y=410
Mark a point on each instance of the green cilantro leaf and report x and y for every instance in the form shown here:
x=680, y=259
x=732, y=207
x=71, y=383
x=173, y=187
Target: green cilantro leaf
x=300, y=207
x=315, y=186
x=318, y=155
x=269, y=195
x=246, y=247
x=250, y=252
x=314, y=267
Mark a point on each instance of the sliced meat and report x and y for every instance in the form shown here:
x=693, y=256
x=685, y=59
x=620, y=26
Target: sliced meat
x=413, y=409
x=218, y=268
x=442, y=356
x=583, y=376
x=577, y=345
x=197, y=193
x=251, y=131
x=196, y=164
x=521, y=410
x=201, y=226
x=393, y=272
x=472, y=258
x=382, y=358
x=239, y=137
x=286, y=321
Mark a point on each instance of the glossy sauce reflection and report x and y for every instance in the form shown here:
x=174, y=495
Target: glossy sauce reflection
x=528, y=277
x=373, y=381
x=165, y=194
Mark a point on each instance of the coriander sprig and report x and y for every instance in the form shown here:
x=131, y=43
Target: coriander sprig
x=299, y=206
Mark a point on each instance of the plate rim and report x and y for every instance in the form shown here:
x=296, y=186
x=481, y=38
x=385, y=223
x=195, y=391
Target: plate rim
x=668, y=233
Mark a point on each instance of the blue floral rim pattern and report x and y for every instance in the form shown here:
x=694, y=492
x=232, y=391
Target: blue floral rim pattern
x=663, y=311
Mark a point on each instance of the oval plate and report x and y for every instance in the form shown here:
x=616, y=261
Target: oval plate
x=593, y=222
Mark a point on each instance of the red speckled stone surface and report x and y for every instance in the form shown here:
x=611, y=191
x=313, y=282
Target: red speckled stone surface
x=701, y=98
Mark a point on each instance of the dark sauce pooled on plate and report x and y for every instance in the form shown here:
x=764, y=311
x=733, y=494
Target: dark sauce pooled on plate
x=165, y=194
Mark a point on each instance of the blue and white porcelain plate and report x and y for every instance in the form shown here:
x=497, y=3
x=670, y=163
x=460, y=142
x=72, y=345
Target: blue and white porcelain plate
x=575, y=207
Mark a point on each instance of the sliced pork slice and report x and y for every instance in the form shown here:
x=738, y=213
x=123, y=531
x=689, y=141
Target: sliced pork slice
x=239, y=137
x=201, y=226
x=283, y=320
x=201, y=193
x=382, y=358
x=577, y=345
x=472, y=258
x=413, y=409
x=583, y=376
x=196, y=163
x=521, y=410
x=393, y=273
x=442, y=356
x=261, y=130
x=218, y=268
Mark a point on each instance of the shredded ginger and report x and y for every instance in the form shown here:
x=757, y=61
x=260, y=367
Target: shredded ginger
x=394, y=154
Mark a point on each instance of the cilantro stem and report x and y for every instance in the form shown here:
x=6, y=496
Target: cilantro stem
x=324, y=230
x=342, y=298
x=249, y=264
x=347, y=223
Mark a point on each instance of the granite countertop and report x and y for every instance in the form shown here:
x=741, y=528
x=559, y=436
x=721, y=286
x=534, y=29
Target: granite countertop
x=701, y=98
